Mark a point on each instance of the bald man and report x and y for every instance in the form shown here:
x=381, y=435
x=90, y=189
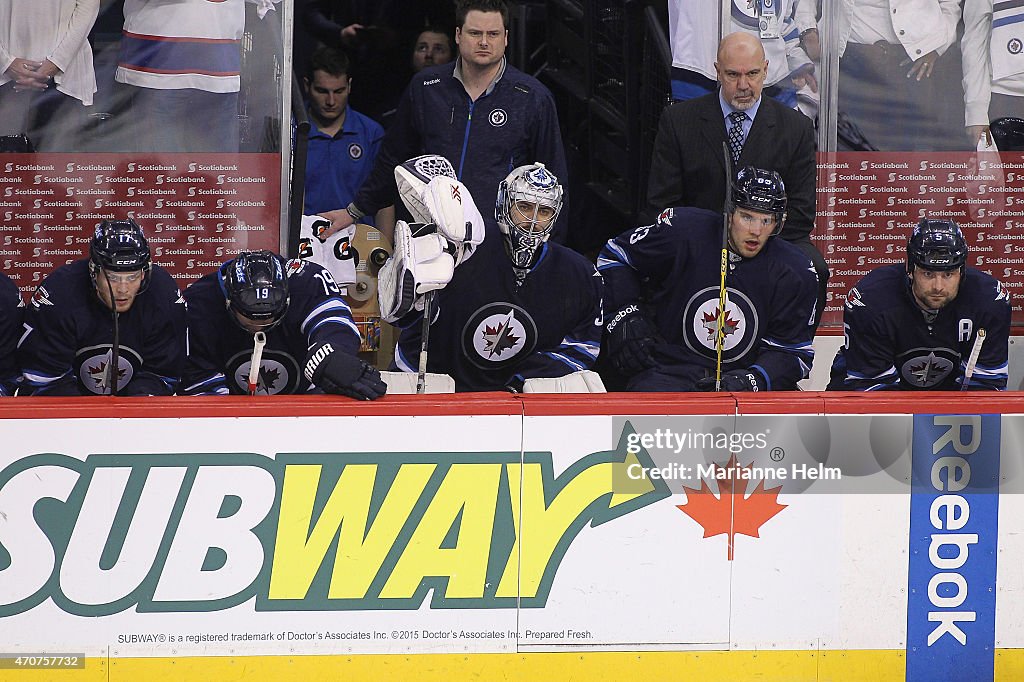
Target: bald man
x=687, y=165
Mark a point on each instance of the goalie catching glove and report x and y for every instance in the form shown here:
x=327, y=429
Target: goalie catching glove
x=421, y=262
x=342, y=374
x=631, y=336
x=431, y=192
x=736, y=381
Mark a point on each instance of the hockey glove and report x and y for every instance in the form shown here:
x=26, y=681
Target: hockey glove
x=339, y=373
x=735, y=381
x=630, y=339
x=419, y=264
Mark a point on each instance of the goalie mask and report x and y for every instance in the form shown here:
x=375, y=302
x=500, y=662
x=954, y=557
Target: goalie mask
x=256, y=288
x=936, y=245
x=527, y=207
x=119, y=246
x=760, y=190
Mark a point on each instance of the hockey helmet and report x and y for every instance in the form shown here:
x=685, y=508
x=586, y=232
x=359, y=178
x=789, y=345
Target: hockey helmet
x=256, y=287
x=520, y=211
x=120, y=246
x=760, y=190
x=936, y=245
x=1008, y=133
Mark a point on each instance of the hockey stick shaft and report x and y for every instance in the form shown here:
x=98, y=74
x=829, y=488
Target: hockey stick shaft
x=723, y=297
x=259, y=341
x=972, y=359
x=421, y=375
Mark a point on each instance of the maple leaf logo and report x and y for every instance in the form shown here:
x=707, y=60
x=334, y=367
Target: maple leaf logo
x=733, y=512
x=269, y=377
x=710, y=323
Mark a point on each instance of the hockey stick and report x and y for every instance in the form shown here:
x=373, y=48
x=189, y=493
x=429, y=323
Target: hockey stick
x=972, y=359
x=115, y=348
x=421, y=374
x=259, y=341
x=723, y=296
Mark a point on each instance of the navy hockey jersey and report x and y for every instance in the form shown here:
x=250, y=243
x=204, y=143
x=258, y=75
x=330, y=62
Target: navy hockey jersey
x=892, y=345
x=769, y=319
x=487, y=331
x=11, y=309
x=220, y=351
x=69, y=337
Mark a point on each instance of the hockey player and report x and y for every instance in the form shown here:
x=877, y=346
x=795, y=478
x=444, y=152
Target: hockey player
x=520, y=307
x=670, y=343
x=113, y=323
x=11, y=308
x=295, y=309
x=912, y=327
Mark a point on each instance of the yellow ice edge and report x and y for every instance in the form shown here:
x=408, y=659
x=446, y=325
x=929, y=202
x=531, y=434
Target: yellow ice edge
x=706, y=666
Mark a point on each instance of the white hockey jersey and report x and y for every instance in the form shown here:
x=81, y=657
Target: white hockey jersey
x=695, y=29
x=177, y=44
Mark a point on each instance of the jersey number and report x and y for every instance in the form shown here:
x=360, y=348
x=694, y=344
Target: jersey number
x=330, y=287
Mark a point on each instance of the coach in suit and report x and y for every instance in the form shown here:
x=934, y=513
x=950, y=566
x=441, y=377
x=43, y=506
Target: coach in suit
x=688, y=168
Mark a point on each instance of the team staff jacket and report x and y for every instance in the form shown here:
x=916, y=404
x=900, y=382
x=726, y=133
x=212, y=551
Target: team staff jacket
x=513, y=124
x=489, y=333
x=70, y=333
x=769, y=316
x=892, y=344
x=10, y=329
x=220, y=351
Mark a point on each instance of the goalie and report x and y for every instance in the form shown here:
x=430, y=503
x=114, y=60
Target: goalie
x=507, y=304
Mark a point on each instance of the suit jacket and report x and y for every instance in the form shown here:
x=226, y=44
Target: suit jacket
x=688, y=168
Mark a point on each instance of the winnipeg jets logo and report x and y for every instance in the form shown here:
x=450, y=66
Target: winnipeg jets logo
x=279, y=373
x=498, y=118
x=853, y=299
x=271, y=381
x=499, y=334
x=926, y=371
x=665, y=217
x=41, y=297
x=96, y=373
x=355, y=151
x=1002, y=294
x=1015, y=46
x=703, y=315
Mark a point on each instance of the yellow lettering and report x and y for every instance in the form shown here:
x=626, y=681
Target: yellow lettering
x=468, y=494
x=300, y=549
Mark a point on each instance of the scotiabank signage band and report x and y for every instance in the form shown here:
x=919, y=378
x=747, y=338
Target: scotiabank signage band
x=868, y=203
x=197, y=210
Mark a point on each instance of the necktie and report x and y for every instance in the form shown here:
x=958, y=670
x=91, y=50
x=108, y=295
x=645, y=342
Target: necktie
x=735, y=134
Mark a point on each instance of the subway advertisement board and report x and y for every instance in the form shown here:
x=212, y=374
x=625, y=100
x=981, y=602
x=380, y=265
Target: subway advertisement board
x=159, y=536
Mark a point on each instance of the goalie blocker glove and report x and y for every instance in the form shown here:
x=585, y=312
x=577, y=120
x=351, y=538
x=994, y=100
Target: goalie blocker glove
x=736, y=381
x=339, y=373
x=419, y=264
x=631, y=336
